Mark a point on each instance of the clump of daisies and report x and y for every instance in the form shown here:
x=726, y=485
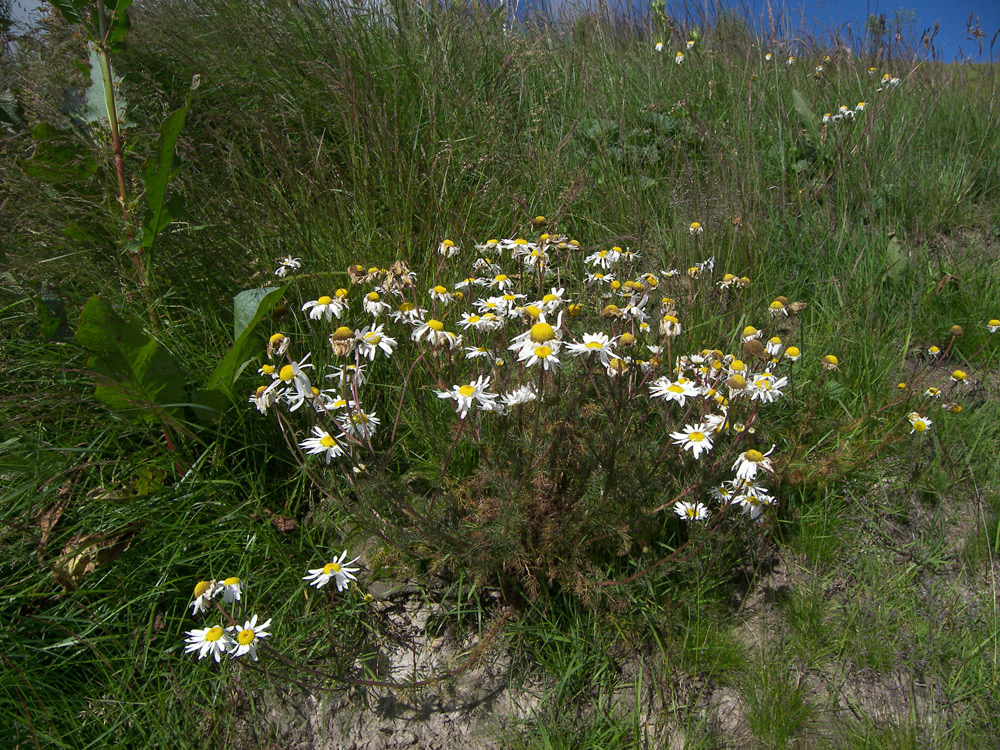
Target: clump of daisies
x=226, y=636
x=567, y=370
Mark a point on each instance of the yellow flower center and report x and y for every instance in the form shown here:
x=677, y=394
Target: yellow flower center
x=574, y=309
x=474, y=318
x=260, y=391
x=543, y=351
x=774, y=341
x=287, y=373
x=231, y=581
x=448, y=243
x=467, y=391
x=532, y=311
x=343, y=333
x=331, y=568
x=691, y=512
x=753, y=456
x=246, y=637
x=695, y=225
x=440, y=290
x=327, y=442
x=542, y=332
x=793, y=351
x=341, y=293
x=520, y=241
x=213, y=634
x=593, y=345
x=696, y=437
x=435, y=325
x=616, y=284
x=959, y=375
x=776, y=305
x=324, y=300
x=201, y=587
x=749, y=331
x=549, y=298
x=674, y=388
x=372, y=297
x=277, y=338
x=830, y=359
x=919, y=425
x=738, y=366
x=267, y=369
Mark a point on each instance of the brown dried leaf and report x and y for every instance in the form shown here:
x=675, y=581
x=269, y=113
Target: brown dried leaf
x=47, y=519
x=83, y=553
x=284, y=524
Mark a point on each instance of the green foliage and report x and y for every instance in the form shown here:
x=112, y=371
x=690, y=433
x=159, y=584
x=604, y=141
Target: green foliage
x=136, y=375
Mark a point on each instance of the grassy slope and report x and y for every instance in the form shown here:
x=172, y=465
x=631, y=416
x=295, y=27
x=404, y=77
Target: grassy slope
x=344, y=141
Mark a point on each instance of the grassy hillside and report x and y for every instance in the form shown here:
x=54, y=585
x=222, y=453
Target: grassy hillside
x=861, y=611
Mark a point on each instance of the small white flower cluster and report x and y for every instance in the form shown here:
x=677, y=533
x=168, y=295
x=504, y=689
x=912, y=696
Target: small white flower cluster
x=844, y=113
x=217, y=640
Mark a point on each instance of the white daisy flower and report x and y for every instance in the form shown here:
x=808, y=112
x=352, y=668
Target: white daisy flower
x=338, y=571
x=603, y=258
x=288, y=263
x=749, y=462
x=248, y=638
x=766, y=388
x=679, y=391
x=442, y=295
x=600, y=278
x=522, y=395
x=371, y=339
x=264, y=398
x=466, y=396
x=532, y=355
x=594, y=343
x=449, y=249
x=327, y=307
x=918, y=423
x=359, y=424
x=212, y=641
x=322, y=444
x=694, y=438
x=373, y=304
x=408, y=313
x=474, y=352
x=691, y=511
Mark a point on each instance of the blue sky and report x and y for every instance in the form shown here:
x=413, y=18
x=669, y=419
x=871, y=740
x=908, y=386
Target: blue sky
x=813, y=15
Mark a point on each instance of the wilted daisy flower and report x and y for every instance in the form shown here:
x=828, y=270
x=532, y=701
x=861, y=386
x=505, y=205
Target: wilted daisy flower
x=679, y=57
x=248, y=638
x=933, y=351
x=691, y=511
x=373, y=304
x=277, y=345
x=349, y=375
x=993, y=325
x=773, y=346
x=264, y=399
x=918, y=423
x=204, y=592
x=777, y=308
x=466, y=396
x=230, y=589
x=286, y=264
x=325, y=306
x=933, y=392
x=448, y=249
x=594, y=343
x=694, y=438
x=792, y=353
x=293, y=376
x=322, y=444
x=659, y=46
x=750, y=333
x=522, y=395
x=337, y=570
x=371, y=339
x=790, y=60
x=669, y=390
x=959, y=376
x=600, y=278
x=690, y=43
x=212, y=641
x=750, y=461
x=860, y=107
x=669, y=326
x=696, y=228
x=474, y=352
x=442, y=295
x=830, y=362
x=432, y=331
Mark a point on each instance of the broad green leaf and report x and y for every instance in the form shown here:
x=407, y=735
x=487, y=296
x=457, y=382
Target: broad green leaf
x=895, y=259
x=135, y=374
x=96, y=107
x=58, y=157
x=249, y=306
x=158, y=171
